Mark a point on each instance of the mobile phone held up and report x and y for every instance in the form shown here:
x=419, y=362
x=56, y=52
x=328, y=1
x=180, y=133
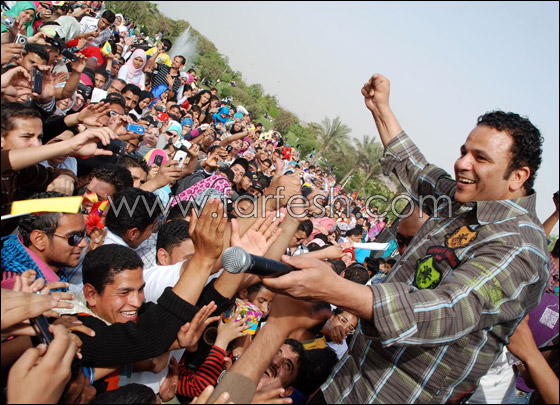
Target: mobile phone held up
x=180, y=156
x=139, y=129
x=37, y=81
x=41, y=326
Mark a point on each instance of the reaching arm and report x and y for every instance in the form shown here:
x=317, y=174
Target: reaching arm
x=522, y=344
x=286, y=316
x=376, y=98
x=548, y=225
x=84, y=144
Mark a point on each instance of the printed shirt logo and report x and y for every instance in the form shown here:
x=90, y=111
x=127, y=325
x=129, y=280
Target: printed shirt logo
x=461, y=237
x=427, y=274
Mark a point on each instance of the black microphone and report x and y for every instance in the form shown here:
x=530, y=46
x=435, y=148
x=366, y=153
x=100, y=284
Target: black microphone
x=236, y=260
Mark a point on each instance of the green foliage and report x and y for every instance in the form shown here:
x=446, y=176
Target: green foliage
x=147, y=16
x=305, y=137
x=284, y=120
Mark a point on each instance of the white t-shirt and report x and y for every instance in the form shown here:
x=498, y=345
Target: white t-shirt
x=157, y=279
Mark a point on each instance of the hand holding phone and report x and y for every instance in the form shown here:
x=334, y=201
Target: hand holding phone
x=41, y=326
x=139, y=129
x=37, y=80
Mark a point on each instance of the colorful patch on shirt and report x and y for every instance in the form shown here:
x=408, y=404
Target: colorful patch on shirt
x=461, y=237
x=441, y=253
x=427, y=274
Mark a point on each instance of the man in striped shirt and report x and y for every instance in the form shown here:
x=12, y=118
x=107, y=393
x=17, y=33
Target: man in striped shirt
x=163, y=74
x=433, y=328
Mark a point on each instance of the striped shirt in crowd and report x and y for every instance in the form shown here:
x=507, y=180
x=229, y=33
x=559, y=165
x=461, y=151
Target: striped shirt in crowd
x=445, y=311
x=161, y=77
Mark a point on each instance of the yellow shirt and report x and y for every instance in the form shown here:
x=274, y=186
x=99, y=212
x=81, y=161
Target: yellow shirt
x=162, y=58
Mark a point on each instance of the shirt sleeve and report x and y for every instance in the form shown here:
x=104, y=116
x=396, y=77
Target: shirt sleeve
x=193, y=382
x=419, y=178
x=152, y=335
x=495, y=287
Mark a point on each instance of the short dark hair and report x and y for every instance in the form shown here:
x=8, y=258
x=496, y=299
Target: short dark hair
x=338, y=266
x=241, y=162
x=172, y=234
x=356, y=231
x=179, y=210
x=114, y=174
x=167, y=44
x=142, y=211
x=318, y=366
x=298, y=348
x=256, y=288
x=526, y=149
x=128, y=162
x=182, y=59
x=372, y=265
x=109, y=16
x=37, y=49
x=101, y=265
x=226, y=171
x=555, y=249
x=306, y=226
x=11, y=110
x=357, y=273
x=133, y=88
x=102, y=72
x=44, y=222
x=115, y=98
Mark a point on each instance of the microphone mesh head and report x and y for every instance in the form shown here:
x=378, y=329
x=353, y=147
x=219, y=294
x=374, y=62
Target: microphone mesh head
x=235, y=260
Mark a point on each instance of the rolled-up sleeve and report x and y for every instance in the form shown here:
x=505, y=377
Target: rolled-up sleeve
x=486, y=290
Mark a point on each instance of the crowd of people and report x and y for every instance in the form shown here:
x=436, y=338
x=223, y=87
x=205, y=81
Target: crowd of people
x=124, y=299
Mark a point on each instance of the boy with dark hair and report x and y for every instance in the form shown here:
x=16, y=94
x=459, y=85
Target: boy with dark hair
x=131, y=217
x=302, y=233
x=174, y=243
x=46, y=243
x=137, y=167
x=105, y=181
x=101, y=77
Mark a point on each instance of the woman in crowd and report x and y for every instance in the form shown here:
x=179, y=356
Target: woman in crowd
x=132, y=71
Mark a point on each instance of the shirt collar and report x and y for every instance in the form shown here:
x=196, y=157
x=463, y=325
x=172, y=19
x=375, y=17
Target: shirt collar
x=488, y=212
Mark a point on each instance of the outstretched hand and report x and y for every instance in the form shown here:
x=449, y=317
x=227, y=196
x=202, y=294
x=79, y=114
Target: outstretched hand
x=207, y=232
x=260, y=236
x=85, y=143
x=90, y=115
x=190, y=333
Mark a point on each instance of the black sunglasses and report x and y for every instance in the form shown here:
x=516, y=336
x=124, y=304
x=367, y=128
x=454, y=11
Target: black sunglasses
x=73, y=239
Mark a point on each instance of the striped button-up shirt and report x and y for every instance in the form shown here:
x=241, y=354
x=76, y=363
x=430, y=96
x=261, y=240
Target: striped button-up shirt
x=444, y=313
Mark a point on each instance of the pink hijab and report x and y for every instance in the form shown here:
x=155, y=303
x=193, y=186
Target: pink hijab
x=134, y=75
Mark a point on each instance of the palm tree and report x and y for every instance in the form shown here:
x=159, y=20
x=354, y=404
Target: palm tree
x=373, y=151
x=329, y=133
x=358, y=155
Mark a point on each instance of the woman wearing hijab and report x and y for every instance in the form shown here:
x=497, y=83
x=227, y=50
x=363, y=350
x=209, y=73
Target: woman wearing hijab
x=221, y=116
x=131, y=71
x=142, y=107
x=24, y=13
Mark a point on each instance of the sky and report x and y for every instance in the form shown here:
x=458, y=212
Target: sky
x=448, y=63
